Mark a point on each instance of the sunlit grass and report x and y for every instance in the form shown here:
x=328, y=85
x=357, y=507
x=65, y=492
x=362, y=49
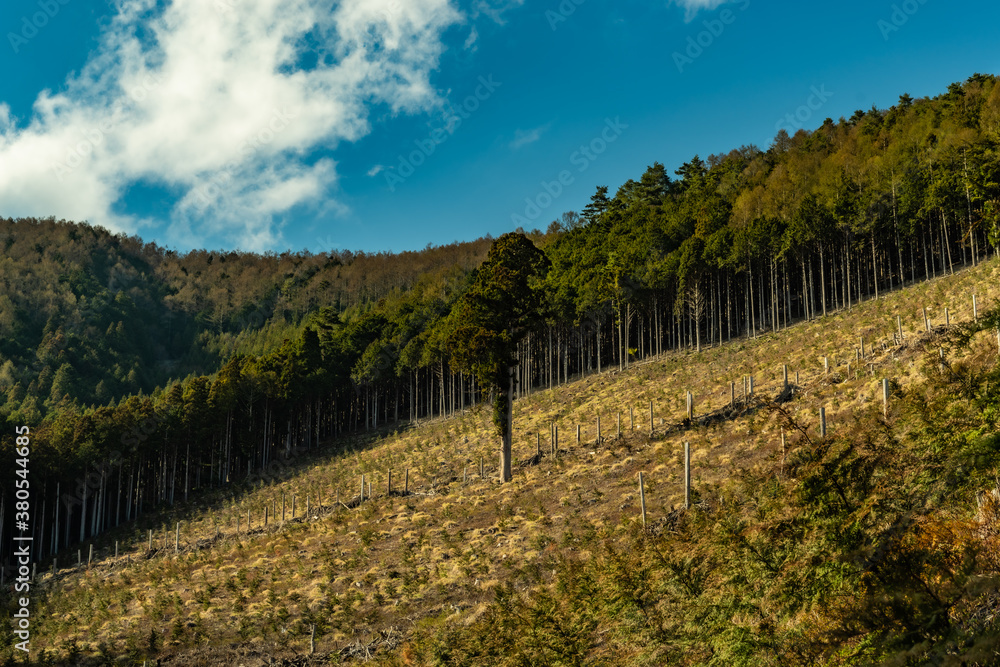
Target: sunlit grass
x=440, y=550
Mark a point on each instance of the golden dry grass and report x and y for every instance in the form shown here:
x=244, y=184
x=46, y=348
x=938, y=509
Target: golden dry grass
x=439, y=551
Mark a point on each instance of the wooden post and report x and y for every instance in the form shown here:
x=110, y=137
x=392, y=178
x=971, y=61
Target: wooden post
x=538, y=445
x=406, y=483
x=309, y=504
x=687, y=475
x=796, y=378
x=619, y=424
x=885, y=396
x=90, y=556
x=465, y=475
x=975, y=309
x=899, y=328
x=862, y=341
x=690, y=406
x=265, y=515
x=927, y=322
x=651, y=419
x=848, y=371
x=555, y=440
x=642, y=500
x=249, y=522
x=826, y=365
x=577, y=435
x=177, y=535
x=388, y=485
x=822, y=422
x=631, y=418
x=293, y=501
x=732, y=394
x=750, y=384
x=598, y=429
x=782, y=449
x=116, y=549
x=312, y=639
x=784, y=375
x=947, y=317
x=283, y=499
x=150, y=540
x=79, y=557
x=482, y=468
x=362, y=497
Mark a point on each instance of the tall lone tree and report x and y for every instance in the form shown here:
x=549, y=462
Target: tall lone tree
x=503, y=304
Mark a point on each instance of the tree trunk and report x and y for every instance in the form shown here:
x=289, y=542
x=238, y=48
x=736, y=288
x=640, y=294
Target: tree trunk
x=83, y=509
x=822, y=277
x=550, y=357
x=508, y=431
x=597, y=343
x=847, y=273
x=874, y=268
x=946, y=243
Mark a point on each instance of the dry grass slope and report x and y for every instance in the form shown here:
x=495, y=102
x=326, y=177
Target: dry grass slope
x=364, y=574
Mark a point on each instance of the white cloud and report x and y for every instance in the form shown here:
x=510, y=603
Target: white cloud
x=211, y=103
x=524, y=137
x=376, y=170
x=692, y=7
x=470, y=41
x=495, y=9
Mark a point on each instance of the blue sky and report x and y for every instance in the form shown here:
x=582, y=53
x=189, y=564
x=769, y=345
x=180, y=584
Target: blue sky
x=390, y=124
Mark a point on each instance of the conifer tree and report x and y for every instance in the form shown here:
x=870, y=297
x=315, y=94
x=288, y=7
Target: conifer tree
x=503, y=304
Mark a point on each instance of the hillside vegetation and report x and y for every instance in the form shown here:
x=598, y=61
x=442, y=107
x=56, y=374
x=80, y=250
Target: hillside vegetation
x=88, y=317
x=878, y=543
x=152, y=376
x=160, y=387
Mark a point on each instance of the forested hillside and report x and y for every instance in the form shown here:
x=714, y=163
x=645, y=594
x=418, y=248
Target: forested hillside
x=89, y=318
x=874, y=542
x=147, y=376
